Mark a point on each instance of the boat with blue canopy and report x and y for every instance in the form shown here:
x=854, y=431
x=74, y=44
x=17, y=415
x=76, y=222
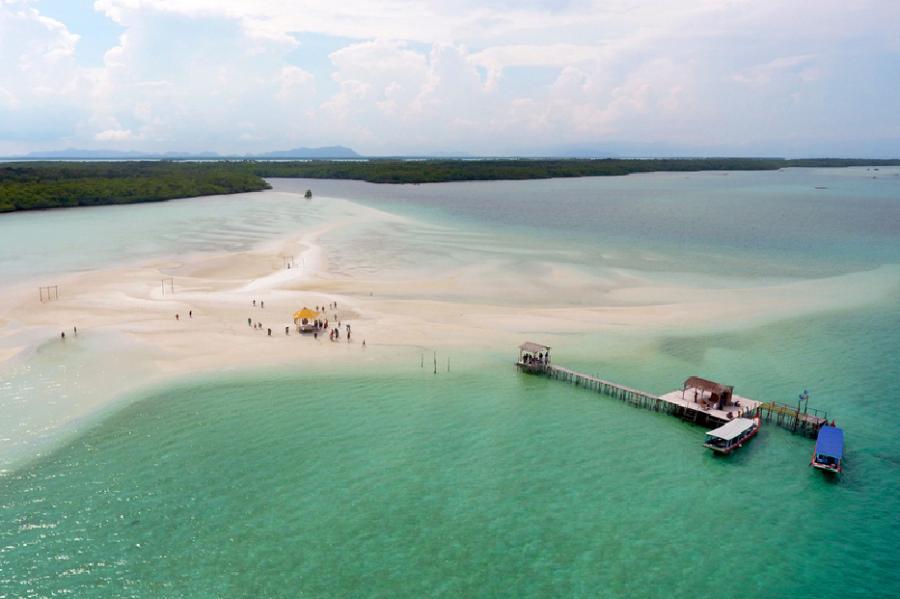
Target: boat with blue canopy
x=829, y=450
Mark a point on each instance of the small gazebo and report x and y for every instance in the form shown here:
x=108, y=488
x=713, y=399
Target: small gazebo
x=305, y=320
x=717, y=394
x=533, y=357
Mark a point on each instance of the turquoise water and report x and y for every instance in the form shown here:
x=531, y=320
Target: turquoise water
x=392, y=481
x=479, y=483
x=39, y=244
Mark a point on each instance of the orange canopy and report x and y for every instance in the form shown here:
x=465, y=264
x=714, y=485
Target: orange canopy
x=305, y=313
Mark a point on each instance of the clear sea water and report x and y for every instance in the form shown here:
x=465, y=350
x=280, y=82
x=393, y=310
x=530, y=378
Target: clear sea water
x=392, y=481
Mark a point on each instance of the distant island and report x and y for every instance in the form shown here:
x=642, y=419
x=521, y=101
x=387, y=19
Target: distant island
x=54, y=184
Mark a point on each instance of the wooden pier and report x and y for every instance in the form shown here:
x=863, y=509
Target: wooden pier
x=791, y=418
x=693, y=407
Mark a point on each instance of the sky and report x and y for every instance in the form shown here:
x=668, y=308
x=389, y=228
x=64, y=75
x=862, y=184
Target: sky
x=484, y=77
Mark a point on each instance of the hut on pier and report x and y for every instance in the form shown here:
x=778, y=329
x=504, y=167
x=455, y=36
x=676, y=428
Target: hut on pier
x=713, y=394
x=533, y=357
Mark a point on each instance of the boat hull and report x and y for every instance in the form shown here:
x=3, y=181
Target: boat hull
x=825, y=467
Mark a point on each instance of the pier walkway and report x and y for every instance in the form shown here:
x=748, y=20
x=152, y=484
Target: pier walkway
x=670, y=403
x=694, y=404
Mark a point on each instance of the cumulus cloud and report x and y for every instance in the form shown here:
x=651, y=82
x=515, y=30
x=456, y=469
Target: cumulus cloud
x=486, y=76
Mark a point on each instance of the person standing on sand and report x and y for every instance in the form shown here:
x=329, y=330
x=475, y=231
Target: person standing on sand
x=254, y=303
x=62, y=335
x=249, y=322
x=177, y=317
x=75, y=330
x=190, y=313
x=262, y=304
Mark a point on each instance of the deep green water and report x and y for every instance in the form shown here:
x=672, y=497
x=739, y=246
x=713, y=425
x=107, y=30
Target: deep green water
x=392, y=481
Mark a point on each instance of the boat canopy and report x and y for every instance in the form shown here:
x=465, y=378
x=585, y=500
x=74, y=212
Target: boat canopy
x=830, y=442
x=732, y=429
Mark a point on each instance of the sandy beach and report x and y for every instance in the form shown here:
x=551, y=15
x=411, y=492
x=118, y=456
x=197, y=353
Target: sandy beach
x=388, y=312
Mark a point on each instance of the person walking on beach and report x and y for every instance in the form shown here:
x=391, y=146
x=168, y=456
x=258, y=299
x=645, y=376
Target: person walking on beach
x=62, y=335
x=190, y=313
x=75, y=330
x=254, y=303
x=269, y=332
x=249, y=322
x=262, y=304
x=177, y=317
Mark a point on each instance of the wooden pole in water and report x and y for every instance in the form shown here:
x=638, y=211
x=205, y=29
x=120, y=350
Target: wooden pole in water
x=435, y=362
x=448, y=363
x=422, y=361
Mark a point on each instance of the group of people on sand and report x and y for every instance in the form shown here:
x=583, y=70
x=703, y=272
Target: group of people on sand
x=334, y=332
x=259, y=326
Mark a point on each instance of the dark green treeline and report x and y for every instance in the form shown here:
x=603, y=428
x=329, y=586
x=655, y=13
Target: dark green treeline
x=37, y=185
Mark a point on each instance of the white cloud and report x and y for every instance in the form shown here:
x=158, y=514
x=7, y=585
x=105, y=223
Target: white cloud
x=230, y=75
x=114, y=135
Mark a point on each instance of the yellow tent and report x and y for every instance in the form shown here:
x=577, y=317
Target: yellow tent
x=306, y=313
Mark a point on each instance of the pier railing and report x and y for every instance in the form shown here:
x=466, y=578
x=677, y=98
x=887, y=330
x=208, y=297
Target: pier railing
x=806, y=422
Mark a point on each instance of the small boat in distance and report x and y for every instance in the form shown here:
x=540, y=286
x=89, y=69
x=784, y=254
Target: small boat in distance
x=829, y=450
x=732, y=435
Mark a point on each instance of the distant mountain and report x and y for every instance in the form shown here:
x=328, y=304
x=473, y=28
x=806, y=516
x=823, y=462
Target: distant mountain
x=324, y=152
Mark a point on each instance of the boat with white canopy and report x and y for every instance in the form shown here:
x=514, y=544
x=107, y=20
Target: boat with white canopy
x=732, y=435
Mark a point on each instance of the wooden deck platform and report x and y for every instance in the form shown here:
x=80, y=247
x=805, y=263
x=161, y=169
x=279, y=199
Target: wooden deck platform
x=743, y=407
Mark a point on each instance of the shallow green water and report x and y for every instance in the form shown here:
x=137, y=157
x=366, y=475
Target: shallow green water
x=471, y=483
x=391, y=482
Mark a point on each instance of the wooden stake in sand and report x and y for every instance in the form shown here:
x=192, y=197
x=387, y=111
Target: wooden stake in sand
x=49, y=293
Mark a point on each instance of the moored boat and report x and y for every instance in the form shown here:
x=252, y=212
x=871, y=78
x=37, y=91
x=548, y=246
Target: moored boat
x=829, y=450
x=732, y=434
